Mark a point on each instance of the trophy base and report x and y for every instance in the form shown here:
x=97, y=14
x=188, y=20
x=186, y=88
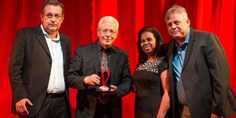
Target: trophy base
x=104, y=89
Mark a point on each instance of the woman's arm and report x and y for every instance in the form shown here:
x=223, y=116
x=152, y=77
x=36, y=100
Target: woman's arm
x=165, y=101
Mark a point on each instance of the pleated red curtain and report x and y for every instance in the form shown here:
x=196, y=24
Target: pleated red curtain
x=82, y=16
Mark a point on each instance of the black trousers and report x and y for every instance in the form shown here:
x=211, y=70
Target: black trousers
x=53, y=108
x=103, y=110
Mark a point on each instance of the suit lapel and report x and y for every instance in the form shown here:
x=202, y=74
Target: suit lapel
x=113, y=61
x=189, y=49
x=95, y=56
x=171, y=50
x=40, y=37
x=64, y=51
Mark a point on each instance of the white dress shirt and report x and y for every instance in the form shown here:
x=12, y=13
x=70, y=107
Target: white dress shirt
x=56, y=81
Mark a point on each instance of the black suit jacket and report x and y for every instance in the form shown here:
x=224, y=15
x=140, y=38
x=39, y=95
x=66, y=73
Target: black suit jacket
x=30, y=66
x=86, y=62
x=205, y=77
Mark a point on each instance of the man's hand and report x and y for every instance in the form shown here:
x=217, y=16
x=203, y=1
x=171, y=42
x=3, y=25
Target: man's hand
x=113, y=89
x=21, y=106
x=92, y=80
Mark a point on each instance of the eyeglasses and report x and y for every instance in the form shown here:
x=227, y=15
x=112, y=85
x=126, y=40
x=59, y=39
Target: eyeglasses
x=106, y=31
x=50, y=15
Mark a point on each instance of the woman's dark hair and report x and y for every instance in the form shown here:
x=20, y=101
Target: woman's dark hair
x=160, y=45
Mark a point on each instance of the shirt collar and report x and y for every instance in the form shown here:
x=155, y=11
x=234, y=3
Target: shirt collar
x=185, y=41
x=101, y=49
x=187, y=38
x=46, y=34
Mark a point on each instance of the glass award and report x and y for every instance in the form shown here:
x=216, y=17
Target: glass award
x=104, y=85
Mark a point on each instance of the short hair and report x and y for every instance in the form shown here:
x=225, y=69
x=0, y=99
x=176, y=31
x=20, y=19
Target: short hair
x=160, y=44
x=110, y=18
x=54, y=3
x=176, y=8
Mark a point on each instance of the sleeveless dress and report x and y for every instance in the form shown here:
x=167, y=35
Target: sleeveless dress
x=148, y=87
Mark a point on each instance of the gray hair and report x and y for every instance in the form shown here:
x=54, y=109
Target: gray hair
x=109, y=18
x=54, y=3
x=176, y=8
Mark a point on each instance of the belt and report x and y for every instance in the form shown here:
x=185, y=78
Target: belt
x=55, y=95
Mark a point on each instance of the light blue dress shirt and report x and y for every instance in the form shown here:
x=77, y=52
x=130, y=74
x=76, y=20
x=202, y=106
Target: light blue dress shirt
x=177, y=63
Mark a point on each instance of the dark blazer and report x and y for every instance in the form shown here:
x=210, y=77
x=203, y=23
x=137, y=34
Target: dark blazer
x=205, y=77
x=30, y=66
x=86, y=62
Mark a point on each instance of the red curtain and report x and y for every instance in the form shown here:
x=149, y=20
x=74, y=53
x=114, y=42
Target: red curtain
x=81, y=18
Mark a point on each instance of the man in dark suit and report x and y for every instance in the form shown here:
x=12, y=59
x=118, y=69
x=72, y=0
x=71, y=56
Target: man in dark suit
x=100, y=96
x=199, y=70
x=39, y=62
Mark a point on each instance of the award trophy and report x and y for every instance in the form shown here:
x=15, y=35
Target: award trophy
x=105, y=83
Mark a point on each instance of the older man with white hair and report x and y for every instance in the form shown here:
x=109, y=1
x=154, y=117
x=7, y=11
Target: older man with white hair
x=103, y=76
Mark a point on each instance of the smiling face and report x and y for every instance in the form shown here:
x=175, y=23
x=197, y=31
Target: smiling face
x=52, y=18
x=148, y=43
x=107, y=32
x=178, y=25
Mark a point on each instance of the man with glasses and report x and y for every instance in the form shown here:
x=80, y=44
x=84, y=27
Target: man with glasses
x=39, y=62
x=103, y=76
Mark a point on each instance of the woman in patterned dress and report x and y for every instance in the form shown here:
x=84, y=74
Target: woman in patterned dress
x=151, y=80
